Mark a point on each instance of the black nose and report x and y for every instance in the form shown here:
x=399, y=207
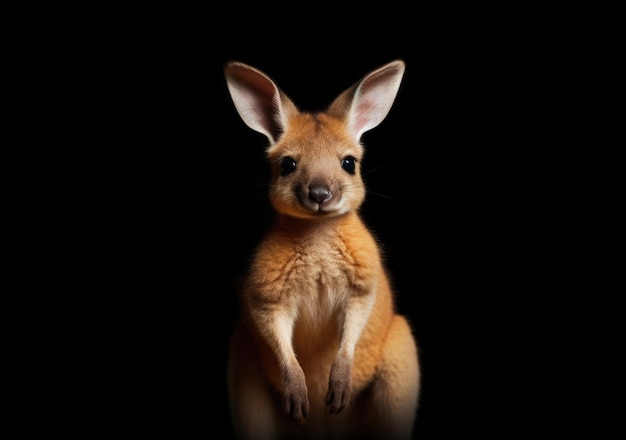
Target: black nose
x=319, y=194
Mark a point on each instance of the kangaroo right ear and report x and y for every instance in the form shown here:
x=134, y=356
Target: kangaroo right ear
x=259, y=102
x=366, y=103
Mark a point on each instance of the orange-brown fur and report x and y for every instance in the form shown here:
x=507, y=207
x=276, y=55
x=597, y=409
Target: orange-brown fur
x=318, y=350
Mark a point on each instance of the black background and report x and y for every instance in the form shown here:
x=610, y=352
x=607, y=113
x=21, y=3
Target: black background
x=180, y=202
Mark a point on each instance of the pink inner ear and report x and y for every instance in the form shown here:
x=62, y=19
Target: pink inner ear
x=256, y=98
x=361, y=117
x=372, y=101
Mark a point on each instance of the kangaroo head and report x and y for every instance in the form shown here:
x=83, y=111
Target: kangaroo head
x=315, y=158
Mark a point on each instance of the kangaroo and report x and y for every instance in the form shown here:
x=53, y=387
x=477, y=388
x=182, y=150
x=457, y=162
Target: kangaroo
x=318, y=350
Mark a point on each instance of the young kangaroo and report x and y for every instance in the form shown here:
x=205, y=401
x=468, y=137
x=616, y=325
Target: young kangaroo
x=318, y=351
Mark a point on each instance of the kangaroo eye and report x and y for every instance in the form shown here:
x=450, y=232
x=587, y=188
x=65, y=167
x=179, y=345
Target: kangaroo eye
x=349, y=164
x=287, y=165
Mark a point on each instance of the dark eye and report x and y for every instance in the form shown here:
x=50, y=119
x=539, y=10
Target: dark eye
x=349, y=163
x=287, y=165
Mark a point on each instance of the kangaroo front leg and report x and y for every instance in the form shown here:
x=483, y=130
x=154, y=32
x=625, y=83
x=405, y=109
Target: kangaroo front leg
x=295, y=395
x=277, y=328
x=352, y=323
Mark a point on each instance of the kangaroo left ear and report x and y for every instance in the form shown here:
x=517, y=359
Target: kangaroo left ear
x=259, y=102
x=364, y=105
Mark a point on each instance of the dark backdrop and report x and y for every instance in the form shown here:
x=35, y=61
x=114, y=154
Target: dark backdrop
x=183, y=203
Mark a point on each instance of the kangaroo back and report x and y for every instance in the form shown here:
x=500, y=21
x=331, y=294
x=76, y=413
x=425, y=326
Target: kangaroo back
x=319, y=351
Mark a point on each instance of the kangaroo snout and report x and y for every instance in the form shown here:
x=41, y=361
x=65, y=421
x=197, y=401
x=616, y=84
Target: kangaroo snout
x=320, y=196
x=319, y=192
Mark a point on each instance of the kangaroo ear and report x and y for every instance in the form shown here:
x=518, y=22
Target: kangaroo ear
x=259, y=102
x=364, y=105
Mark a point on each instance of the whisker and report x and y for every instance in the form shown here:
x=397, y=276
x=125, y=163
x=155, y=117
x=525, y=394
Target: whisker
x=374, y=193
x=373, y=170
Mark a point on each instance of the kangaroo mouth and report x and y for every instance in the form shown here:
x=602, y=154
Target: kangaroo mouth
x=330, y=207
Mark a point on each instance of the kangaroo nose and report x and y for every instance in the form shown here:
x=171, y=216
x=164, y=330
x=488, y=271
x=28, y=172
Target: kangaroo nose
x=319, y=194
